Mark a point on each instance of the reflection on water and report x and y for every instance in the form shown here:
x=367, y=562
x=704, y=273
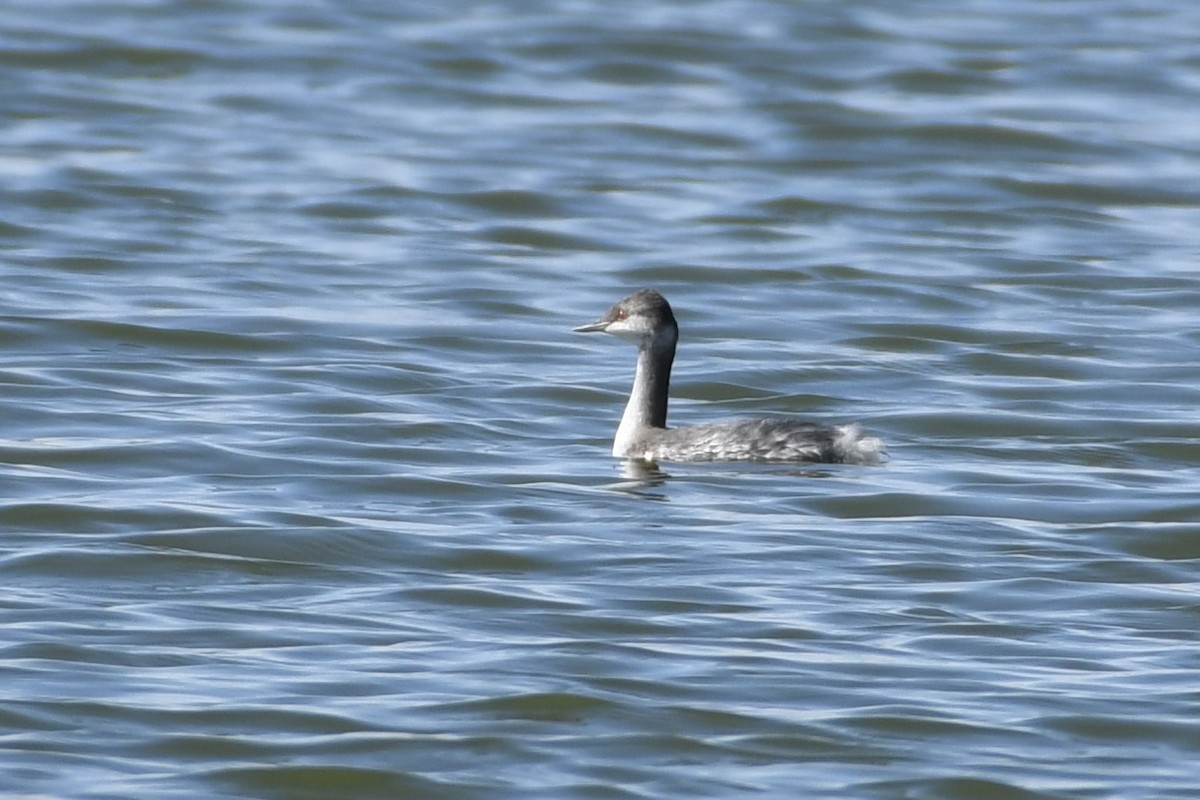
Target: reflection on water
x=642, y=474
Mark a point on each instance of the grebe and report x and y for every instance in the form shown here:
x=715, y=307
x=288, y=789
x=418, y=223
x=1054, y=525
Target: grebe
x=645, y=319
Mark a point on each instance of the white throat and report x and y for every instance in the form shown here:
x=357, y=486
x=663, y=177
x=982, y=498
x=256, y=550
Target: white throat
x=647, y=406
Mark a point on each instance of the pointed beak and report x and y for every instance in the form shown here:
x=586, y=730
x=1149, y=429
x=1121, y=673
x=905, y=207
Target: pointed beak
x=592, y=327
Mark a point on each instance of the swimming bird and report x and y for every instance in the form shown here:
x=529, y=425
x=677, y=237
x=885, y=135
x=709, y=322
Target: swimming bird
x=645, y=319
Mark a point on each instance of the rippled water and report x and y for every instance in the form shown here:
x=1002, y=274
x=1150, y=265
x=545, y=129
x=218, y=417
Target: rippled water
x=305, y=488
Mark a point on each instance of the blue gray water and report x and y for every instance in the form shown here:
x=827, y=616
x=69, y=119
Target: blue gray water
x=305, y=488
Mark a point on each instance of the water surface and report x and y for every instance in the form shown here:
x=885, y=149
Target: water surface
x=305, y=488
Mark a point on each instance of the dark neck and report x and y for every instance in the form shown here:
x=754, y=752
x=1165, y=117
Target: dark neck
x=647, y=406
x=651, y=385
